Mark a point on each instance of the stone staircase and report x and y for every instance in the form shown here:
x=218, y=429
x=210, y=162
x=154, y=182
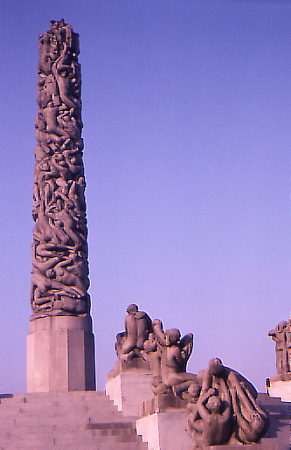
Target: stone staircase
x=279, y=432
x=79, y=420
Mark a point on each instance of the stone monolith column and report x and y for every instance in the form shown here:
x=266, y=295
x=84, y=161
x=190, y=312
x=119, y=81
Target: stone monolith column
x=60, y=345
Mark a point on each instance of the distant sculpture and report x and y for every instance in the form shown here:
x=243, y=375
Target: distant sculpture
x=168, y=355
x=225, y=409
x=60, y=267
x=289, y=344
x=281, y=335
x=130, y=343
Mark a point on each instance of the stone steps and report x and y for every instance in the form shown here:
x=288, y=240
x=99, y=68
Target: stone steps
x=279, y=412
x=73, y=420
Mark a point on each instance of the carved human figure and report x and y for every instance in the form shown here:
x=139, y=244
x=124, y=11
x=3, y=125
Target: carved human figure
x=174, y=354
x=152, y=355
x=279, y=336
x=251, y=420
x=137, y=328
x=289, y=344
x=210, y=423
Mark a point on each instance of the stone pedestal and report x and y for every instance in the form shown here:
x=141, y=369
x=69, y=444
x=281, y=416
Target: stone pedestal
x=129, y=384
x=60, y=355
x=163, y=423
x=280, y=386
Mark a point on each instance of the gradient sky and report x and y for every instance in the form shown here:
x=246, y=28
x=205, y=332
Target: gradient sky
x=186, y=110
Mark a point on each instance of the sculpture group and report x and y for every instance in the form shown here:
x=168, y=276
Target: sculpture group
x=60, y=268
x=282, y=337
x=222, y=403
x=223, y=409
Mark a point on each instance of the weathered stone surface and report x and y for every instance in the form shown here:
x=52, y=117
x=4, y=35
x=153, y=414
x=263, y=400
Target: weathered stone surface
x=59, y=257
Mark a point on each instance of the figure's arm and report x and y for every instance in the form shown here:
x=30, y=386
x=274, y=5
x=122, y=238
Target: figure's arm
x=241, y=421
x=227, y=412
x=206, y=380
x=158, y=331
x=254, y=404
x=176, y=356
x=187, y=346
x=150, y=345
x=201, y=408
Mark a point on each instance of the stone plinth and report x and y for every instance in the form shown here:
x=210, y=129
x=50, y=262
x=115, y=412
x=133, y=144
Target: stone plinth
x=60, y=355
x=129, y=384
x=163, y=426
x=280, y=386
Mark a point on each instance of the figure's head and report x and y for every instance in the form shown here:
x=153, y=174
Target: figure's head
x=51, y=273
x=257, y=422
x=172, y=336
x=132, y=309
x=214, y=404
x=215, y=366
x=194, y=389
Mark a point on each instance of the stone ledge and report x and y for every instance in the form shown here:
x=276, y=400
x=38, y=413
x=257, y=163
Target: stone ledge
x=136, y=365
x=161, y=403
x=280, y=377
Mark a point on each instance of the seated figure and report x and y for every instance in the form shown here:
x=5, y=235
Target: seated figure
x=173, y=353
x=130, y=343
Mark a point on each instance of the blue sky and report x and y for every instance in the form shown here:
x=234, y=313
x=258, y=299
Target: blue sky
x=186, y=110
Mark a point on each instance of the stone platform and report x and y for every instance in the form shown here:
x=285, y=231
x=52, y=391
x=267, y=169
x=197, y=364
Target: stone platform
x=129, y=384
x=280, y=386
x=71, y=420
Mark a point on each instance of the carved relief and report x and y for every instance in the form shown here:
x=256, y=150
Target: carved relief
x=60, y=268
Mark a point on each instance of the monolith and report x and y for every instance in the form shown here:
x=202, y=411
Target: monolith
x=60, y=351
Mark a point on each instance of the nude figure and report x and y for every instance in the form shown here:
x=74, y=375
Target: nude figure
x=215, y=426
x=174, y=354
x=137, y=329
